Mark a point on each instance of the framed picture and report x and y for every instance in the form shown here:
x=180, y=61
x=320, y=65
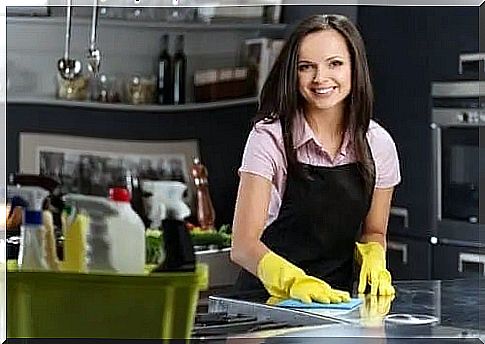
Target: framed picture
x=92, y=165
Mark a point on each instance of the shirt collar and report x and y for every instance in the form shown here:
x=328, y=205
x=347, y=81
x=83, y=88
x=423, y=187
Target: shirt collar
x=303, y=133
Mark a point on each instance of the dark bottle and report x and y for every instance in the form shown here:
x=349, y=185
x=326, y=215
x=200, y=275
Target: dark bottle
x=164, y=87
x=205, y=211
x=179, y=71
x=178, y=246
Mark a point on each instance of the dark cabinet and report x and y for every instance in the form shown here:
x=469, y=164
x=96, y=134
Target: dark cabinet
x=453, y=261
x=408, y=258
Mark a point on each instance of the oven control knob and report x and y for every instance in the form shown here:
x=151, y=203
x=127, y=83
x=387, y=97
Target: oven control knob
x=473, y=117
x=463, y=117
x=482, y=117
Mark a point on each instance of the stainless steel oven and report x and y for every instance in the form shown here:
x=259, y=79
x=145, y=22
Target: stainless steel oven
x=457, y=122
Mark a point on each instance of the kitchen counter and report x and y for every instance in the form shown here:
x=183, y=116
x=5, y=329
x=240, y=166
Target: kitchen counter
x=444, y=311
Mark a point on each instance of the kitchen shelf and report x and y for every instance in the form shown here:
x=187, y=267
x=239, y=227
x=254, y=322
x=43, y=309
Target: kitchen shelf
x=128, y=107
x=182, y=26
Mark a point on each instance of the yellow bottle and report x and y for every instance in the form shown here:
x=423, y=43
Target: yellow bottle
x=75, y=242
x=50, y=241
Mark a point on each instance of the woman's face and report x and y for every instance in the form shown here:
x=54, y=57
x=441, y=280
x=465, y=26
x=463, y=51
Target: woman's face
x=324, y=70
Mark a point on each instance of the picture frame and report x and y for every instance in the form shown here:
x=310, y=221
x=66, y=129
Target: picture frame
x=90, y=165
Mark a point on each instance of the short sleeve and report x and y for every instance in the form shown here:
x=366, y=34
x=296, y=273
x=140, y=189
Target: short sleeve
x=385, y=157
x=263, y=155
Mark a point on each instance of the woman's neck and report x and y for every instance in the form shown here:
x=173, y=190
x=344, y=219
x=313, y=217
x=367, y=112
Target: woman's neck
x=327, y=124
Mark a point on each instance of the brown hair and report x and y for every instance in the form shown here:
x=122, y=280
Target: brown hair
x=280, y=97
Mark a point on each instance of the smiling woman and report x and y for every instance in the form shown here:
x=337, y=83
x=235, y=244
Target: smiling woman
x=324, y=71
x=317, y=174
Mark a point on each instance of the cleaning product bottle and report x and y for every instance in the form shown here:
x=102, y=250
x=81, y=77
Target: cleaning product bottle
x=75, y=227
x=100, y=235
x=50, y=240
x=179, y=249
x=32, y=254
x=129, y=247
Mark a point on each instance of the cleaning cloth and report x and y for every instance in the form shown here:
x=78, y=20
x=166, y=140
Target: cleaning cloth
x=291, y=303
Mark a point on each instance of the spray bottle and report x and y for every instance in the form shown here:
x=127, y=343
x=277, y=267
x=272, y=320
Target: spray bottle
x=100, y=237
x=32, y=253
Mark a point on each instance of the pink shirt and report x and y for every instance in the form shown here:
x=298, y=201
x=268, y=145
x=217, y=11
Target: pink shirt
x=264, y=156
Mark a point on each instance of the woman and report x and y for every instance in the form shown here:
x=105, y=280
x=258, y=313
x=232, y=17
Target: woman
x=317, y=173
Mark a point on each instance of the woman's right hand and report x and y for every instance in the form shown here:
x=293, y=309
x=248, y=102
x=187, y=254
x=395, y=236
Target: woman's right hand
x=284, y=280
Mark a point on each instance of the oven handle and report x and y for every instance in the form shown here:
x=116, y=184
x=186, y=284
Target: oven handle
x=463, y=58
x=401, y=212
x=470, y=258
x=397, y=246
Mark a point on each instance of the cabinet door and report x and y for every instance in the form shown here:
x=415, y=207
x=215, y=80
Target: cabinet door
x=451, y=261
x=408, y=258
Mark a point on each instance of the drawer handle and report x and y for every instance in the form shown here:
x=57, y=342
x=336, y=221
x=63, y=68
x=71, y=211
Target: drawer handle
x=470, y=258
x=469, y=58
x=401, y=212
x=397, y=246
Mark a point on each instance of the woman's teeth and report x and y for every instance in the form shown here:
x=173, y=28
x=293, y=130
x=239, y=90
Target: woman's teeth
x=325, y=90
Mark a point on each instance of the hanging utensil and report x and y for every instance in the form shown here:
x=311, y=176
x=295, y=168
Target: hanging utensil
x=94, y=55
x=68, y=68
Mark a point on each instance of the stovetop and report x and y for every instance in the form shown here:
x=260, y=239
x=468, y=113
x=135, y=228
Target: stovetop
x=220, y=325
x=422, y=312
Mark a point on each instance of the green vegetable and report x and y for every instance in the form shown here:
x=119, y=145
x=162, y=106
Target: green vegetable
x=153, y=246
x=210, y=238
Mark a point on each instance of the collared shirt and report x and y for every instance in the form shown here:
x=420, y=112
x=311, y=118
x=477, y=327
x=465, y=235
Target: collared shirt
x=264, y=155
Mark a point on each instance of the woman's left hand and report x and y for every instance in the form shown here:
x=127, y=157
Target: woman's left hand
x=372, y=258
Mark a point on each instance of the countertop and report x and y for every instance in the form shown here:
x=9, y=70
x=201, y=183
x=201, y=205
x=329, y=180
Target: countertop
x=448, y=311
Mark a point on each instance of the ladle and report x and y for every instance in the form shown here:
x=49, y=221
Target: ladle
x=68, y=68
x=94, y=55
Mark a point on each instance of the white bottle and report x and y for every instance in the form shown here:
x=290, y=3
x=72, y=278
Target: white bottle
x=129, y=243
x=101, y=236
x=32, y=254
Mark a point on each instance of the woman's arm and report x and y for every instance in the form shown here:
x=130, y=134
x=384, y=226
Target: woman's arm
x=249, y=219
x=375, y=224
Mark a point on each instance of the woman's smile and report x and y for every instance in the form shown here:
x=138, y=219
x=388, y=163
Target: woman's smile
x=324, y=91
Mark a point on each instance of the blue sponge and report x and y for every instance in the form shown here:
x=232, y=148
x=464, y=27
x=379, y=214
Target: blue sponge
x=291, y=303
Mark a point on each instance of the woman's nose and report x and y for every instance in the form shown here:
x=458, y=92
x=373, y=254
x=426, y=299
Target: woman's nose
x=319, y=74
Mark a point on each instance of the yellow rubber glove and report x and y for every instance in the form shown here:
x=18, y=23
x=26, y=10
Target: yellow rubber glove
x=374, y=309
x=372, y=258
x=285, y=280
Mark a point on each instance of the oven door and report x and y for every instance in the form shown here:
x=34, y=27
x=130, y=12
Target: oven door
x=458, y=157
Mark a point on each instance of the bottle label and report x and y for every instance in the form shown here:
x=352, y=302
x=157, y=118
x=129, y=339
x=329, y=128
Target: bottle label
x=176, y=94
x=161, y=74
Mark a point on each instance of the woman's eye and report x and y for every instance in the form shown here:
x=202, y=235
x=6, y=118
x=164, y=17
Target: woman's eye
x=336, y=63
x=303, y=68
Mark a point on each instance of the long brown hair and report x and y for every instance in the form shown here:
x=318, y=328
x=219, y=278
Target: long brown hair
x=281, y=99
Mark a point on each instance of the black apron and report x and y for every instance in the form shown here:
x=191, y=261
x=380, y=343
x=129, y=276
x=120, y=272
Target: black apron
x=319, y=221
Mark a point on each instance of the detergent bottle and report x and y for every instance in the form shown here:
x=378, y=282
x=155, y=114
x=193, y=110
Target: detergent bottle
x=100, y=236
x=129, y=234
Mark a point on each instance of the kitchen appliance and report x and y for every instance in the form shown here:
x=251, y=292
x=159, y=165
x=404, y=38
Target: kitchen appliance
x=457, y=120
x=421, y=312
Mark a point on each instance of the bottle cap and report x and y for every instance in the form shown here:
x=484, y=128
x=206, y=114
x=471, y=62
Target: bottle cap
x=119, y=194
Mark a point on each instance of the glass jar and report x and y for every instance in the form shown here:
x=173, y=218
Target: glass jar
x=107, y=89
x=141, y=89
x=73, y=89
